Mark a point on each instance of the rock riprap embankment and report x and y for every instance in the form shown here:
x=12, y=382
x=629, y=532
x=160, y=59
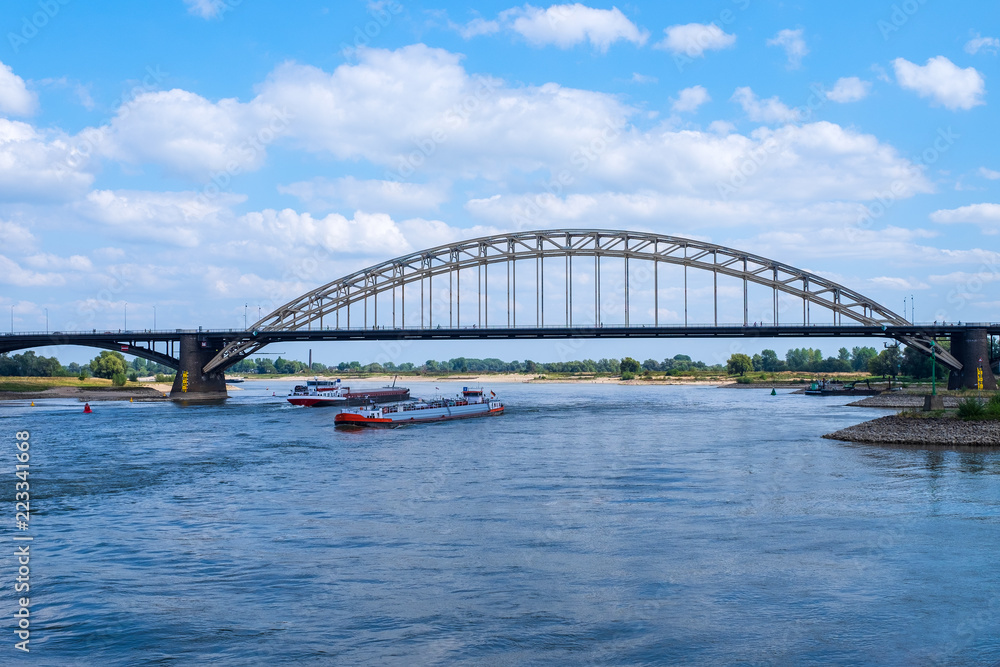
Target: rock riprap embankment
x=947, y=431
x=897, y=399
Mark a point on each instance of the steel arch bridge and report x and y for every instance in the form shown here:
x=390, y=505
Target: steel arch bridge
x=421, y=275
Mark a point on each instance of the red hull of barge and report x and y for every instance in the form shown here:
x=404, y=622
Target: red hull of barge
x=356, y=420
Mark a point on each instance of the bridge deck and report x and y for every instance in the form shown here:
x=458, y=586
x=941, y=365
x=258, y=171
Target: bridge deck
x=126, y=339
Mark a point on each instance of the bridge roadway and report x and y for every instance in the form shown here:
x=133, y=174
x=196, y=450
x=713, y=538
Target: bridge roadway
x=146, y=343
x=188, y=350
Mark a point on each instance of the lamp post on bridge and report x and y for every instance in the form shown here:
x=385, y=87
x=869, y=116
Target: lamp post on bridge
x=245, y=315
x=154, y=318
x=933, y=368
x=126, y=316
x=12, y=318
x=46, y=320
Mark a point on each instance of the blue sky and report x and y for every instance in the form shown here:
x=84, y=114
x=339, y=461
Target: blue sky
x=188, y=154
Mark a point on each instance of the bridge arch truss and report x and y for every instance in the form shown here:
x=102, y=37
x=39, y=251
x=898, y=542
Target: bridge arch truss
x=330, y=306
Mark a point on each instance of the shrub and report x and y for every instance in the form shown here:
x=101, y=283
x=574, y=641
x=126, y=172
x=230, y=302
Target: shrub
x=82, y=377
x=743, y=380
x=628, y=375
x=119, y=379
x=971, y=408
x=993, y=407
x=133, y=377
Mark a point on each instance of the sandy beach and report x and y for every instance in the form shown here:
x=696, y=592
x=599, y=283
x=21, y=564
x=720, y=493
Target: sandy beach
x=149, y=392
x=499, y=378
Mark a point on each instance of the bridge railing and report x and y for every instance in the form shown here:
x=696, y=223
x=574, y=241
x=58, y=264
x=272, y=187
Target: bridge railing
x=470, y=327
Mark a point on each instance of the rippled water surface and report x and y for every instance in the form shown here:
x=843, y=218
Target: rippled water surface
x=590, y=524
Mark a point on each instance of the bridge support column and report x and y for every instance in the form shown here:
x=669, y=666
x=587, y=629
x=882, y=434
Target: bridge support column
x=191, y=383
x=970, y=347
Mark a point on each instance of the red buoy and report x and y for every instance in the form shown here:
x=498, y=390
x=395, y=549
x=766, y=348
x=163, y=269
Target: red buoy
x=86, y=409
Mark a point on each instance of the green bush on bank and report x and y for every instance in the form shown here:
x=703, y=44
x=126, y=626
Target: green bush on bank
x=973, y=408
x=992, y=408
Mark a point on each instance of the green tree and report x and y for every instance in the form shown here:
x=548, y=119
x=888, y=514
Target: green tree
x=739, y=364
x=860, y=356
x=803, y=359
x=886, y=363
x=30, y=365
x=119, y=379
x=630, y=365
x=843, y=354
x=918, y=365
x=770, y=361
x=893, y=360
x=265, y=366
x=876, y=366
x=107, y=364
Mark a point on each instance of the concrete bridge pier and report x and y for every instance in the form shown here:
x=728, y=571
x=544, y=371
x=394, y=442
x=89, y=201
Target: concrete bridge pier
x=972, y=348
x=191, y=383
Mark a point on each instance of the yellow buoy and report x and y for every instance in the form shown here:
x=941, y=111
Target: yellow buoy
x=129, y=399
x=32, y=404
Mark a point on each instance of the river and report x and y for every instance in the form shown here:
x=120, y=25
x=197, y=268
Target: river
x=590, y=524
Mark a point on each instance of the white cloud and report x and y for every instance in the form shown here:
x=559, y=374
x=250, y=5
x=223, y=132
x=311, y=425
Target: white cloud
x=942, y=80
x=989, y=174
x=896, y=283
x=417, y=110
x=721, y=127
x=38, y=166
x=12, y=273
x=189, y=135
x=849, y=89
x=771, y=110
x=690, y=99
x=15, y=98
x=964, y=277
x=568, y=25
x=231, y=283
x=52, y=262
x=793, y=44
x=693, y=39
x=478, y=26
x=365, y=233
x=15, y=237
x=809, y=163
x=987, y=215
x=420, y=116
x=432, y=233
x=416, y=113
x=986, y=44
x=175, y=218
x=889, y=245
x=206, y=9
x=643, y=78
x=647, y=209
x=385, y=196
